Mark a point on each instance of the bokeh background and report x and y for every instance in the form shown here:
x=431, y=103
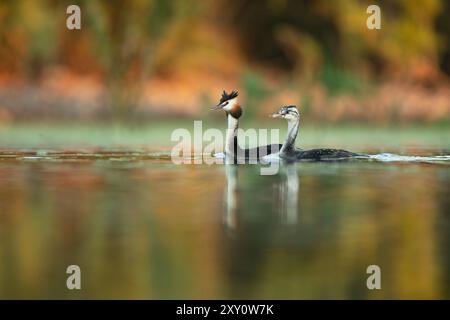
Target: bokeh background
x=140, y=60
x=86, y=118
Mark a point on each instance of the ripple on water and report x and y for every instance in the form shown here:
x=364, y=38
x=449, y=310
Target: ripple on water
x=390, y=157
x=124, y=156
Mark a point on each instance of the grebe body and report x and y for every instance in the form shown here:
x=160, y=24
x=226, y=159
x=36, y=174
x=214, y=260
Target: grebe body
x=288, y=150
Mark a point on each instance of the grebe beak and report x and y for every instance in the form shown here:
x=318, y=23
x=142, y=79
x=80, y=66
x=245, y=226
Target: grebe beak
x=216, y=107
x=275, y=115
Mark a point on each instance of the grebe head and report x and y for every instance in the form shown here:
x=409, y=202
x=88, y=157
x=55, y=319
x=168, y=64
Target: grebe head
x=229, y=103
x=290, y=113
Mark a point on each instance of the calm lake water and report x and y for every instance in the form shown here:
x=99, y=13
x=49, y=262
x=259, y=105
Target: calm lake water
x=141, y=227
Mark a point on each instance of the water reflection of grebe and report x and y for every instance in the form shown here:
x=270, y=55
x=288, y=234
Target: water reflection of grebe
x=231, y=197
x=286, y=201
x=254, y=214
x=288, y=192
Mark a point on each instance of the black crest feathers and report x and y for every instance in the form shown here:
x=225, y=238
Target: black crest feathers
x=228, y=96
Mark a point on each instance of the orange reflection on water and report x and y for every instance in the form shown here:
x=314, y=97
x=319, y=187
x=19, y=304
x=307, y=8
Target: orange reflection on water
x=146, y=229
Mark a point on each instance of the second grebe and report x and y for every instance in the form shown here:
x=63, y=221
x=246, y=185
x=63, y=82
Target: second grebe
x=233, y=110
x=290, y=152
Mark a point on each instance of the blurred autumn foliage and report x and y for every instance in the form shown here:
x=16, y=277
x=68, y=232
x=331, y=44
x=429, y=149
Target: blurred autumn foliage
x=141, y=58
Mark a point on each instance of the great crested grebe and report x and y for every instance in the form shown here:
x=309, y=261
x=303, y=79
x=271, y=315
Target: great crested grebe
x=290, y=152
x=233, y=110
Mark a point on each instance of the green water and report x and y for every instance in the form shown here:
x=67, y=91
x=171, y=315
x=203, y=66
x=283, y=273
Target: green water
x=140, y=226
x=157, y=135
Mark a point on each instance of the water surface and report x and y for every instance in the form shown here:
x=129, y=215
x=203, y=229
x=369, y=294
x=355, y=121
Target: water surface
x=140, y=226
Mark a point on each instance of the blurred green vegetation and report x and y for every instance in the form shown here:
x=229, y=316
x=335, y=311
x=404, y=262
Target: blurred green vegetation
x=282, y=33
x=157, y=134
x=337, y=81
x=169, y=55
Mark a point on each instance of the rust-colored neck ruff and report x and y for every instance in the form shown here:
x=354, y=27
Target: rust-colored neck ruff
x=236, y=111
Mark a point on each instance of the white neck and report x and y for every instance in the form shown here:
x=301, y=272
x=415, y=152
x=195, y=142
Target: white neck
x=233, y=125
x=289, y=144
